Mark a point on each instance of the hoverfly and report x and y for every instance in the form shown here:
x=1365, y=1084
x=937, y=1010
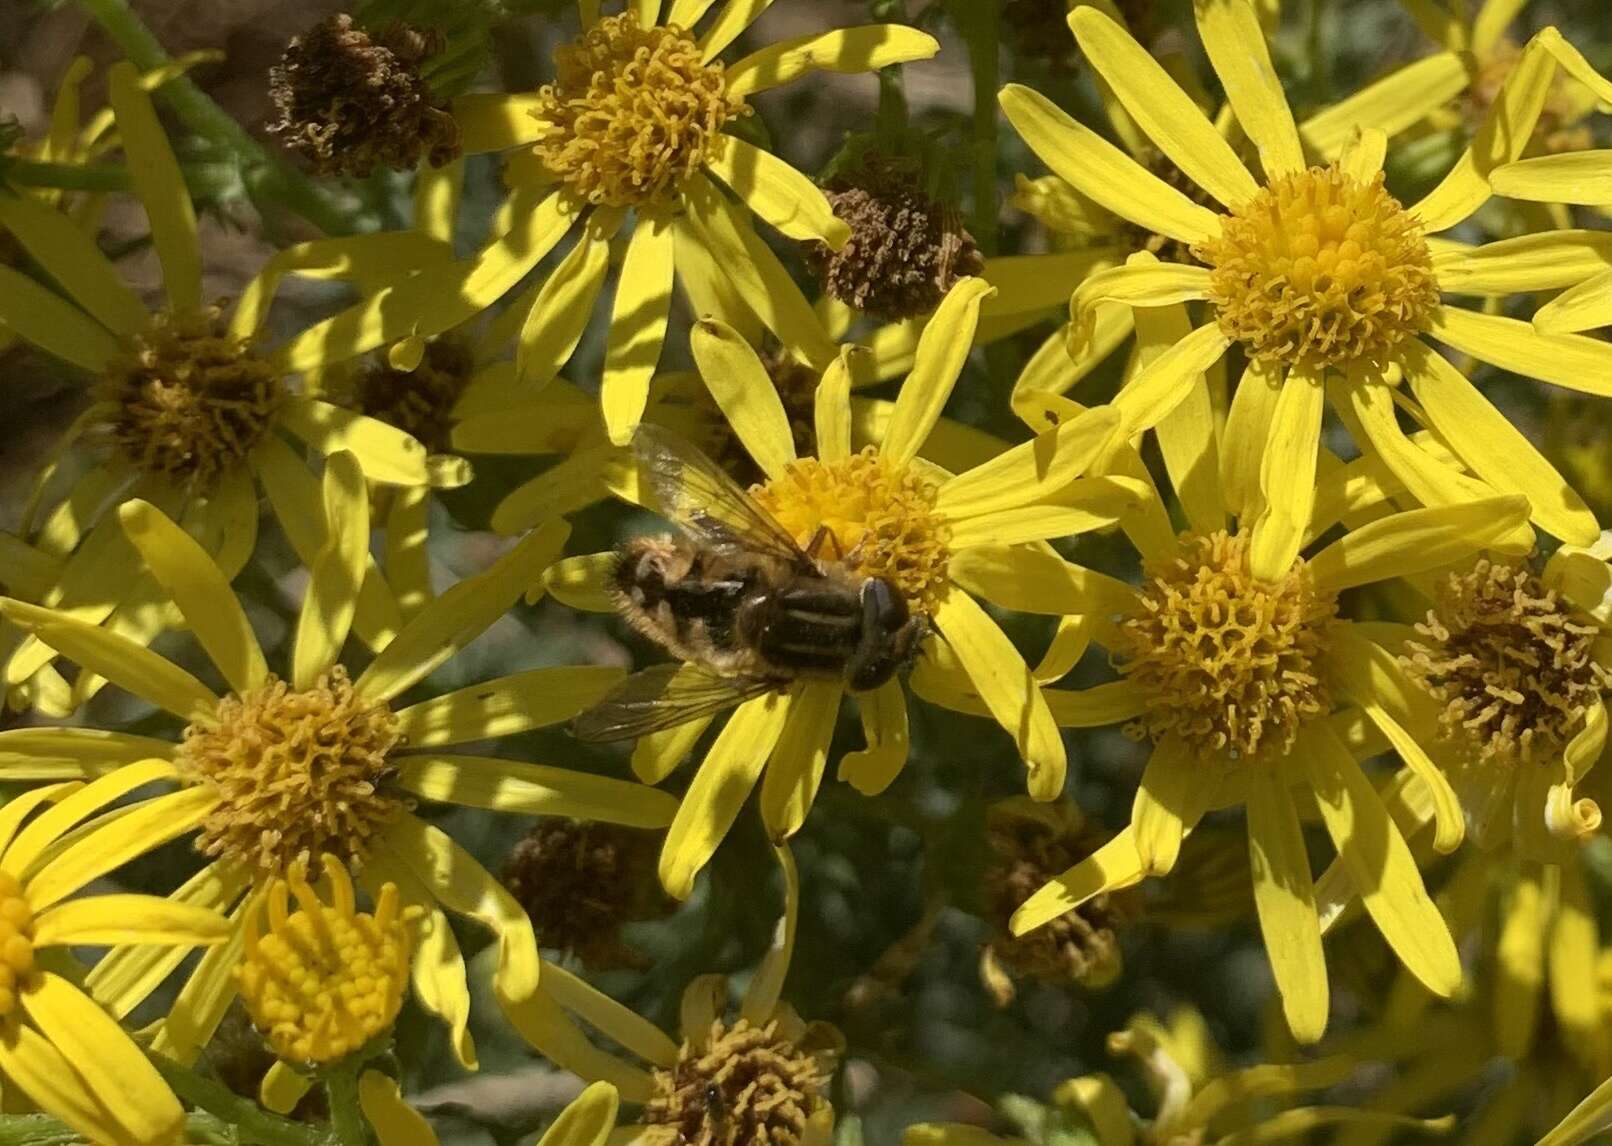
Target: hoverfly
x=737, y=598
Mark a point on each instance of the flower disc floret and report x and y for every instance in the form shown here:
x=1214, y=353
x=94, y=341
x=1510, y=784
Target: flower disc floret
x=325, y=979
x=189, y=400
x=1514, y=665
x=1228, y=663
x=419, y=402
x=16, y=941
x=632, y=112
x=1320, y=269
x=744, y=1085
x=880, y=519
x=298, y=772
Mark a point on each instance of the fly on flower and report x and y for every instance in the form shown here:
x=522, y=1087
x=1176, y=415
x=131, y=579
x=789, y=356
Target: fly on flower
x=738, y=598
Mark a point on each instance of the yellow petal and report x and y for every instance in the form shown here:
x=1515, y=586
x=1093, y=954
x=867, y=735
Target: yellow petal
x=394, y=1121
x=1113, y=866
x=1520, y=962
x=1161, y=109
x=760, y=1002
x=1036, y=581
x=1583, y=307
x=1494, y=449
x=1248, y=430
x=796, y=768
x=120, y=660
x=199, y=589
x=160, y=186
x=1576, y=177
x=1575, y=361
x=1583, y=1122
x=110, y=920
x=775, y=191
x=136, y=832
x=620, y=1024
x=1156, y=391
x=1547, y=261
x=637, y=327
x=759, y=279
x=1414, y=541
x=732, y=19
x=1398, y=101
x=1297, y=1124
x=657, y=755
x=1236, y=46
x=331, y=599
x=1029, y=284
x=461, y=614
x=745, y=394
x=1084, y=505
x=506, y=706
x=1007, y=687
x=462, y=885
x=1573, y=955
x=563, y=305
x=719, y=790
x=534, y=790
x=71, y=257
x=1031, y=471
x=707, y=287
x=942, y=351
x=831, y=406
x=46, y=753
x=385, y=453
x=1505, y=132
x=496, y=121
x=1147, y=283
x=1284, y=897
x=872, y=769
x=44, y=319
x=207, y=994
x=1287, y=476
x=865, y=48
x=46, y=1076
x=1371, y=848
x=1170, y=800
x=1103, y=172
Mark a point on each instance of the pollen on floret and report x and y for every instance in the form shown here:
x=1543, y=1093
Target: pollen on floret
x=742, y=1085
x=16, y=941
x=188, y=400
x=1513, y=664
x=1230, y=664
x=879, y=519
x=323, y=980
x=298, y=772
x=1319, y=269
x=632, y=112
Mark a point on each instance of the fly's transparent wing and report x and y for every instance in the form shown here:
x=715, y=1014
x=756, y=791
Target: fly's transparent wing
x=684, y=485
x=662, y=697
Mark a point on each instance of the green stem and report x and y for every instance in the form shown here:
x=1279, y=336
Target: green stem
x=251, y=1122
x=983, y=26
x=203, y=179
x=261, y=171
x=36, y=1130
x=346, y=1117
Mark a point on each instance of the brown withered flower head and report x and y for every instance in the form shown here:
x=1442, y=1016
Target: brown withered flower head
x=905, y=251
x=1033, y=843
x=350, y=100
x=579, y=882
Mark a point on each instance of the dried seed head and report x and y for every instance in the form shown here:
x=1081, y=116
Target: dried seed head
x=905, y=250
x=350, y=101
x=580, y=882
x=1035, y=842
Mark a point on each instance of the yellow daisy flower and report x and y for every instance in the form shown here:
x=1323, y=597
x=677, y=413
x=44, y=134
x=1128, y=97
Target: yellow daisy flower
x=760, y=1077
x=636, y=121
x=1198, y=1100
x=191, y=414
x=57, y=1045
x=889, y=515
x=279, y=769
x=1325, y=280
x=1246, y=686
x=588, y=1120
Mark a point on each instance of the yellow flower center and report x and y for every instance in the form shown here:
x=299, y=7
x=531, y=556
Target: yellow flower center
x=1514, y=666
x=1229, y=664
x=298, y=773
x=16, y=941
x=632, y=112
x=1319, y=269
x=879, y=518
x=419, y=402
x=745, y=1086
x=325, y=979
x=189, y=400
